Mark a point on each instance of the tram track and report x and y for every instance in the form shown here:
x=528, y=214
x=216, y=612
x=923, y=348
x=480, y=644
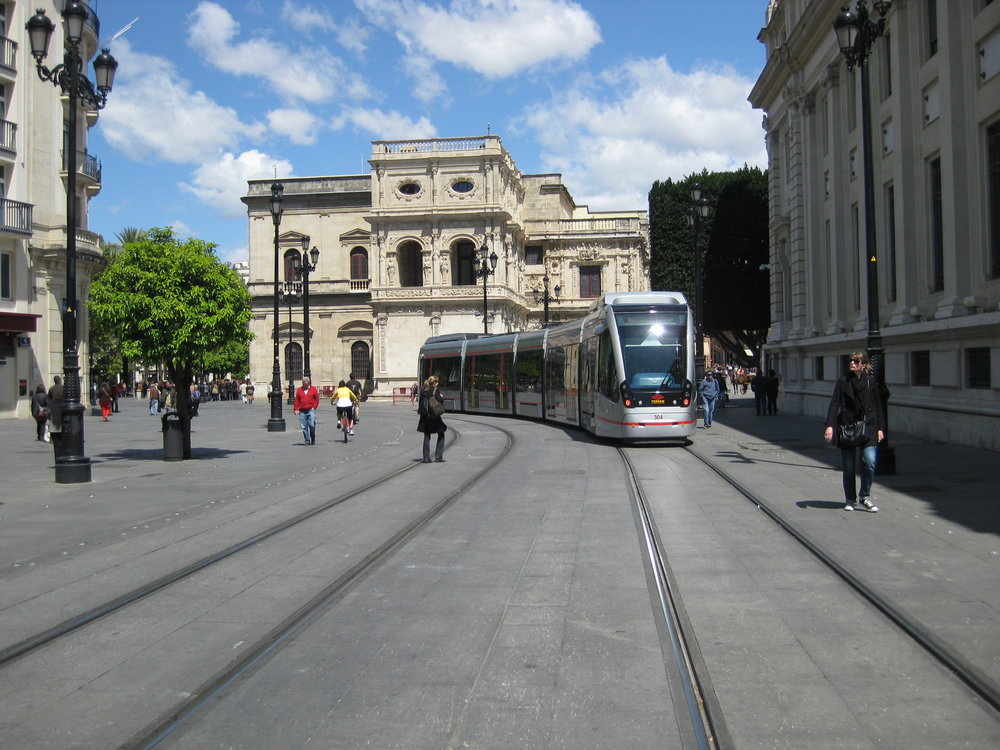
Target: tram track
x=963, y=669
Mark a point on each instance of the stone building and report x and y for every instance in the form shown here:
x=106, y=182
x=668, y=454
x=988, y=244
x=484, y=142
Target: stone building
x=399, y=253
x=935, y=104
x=33, y=171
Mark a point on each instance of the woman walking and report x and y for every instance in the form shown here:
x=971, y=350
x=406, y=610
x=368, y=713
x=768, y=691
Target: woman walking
x=106, y=400
x=430, y=409
x=40, y=410
x=856, y=399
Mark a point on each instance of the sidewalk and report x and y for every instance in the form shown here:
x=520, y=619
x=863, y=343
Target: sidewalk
x=933, y=549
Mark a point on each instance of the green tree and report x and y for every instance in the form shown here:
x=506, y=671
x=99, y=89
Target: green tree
x=172, y=302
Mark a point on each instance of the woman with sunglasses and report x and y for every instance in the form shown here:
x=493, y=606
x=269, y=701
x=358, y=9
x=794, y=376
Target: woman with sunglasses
x=855, y=398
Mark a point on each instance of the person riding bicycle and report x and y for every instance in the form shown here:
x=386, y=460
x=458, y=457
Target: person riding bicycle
x=344, y=399
x=355, y=385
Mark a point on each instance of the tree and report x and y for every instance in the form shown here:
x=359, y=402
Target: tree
x=731, y=294
x=737, y=292
x=172, y=302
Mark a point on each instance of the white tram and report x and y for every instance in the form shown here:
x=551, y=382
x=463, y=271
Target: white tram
x=625, y=371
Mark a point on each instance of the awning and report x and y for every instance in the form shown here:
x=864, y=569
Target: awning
x=18, y=322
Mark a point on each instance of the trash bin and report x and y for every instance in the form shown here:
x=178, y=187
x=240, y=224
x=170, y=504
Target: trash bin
x=173, y=437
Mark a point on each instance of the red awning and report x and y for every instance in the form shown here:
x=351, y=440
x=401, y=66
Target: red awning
x=18, y=322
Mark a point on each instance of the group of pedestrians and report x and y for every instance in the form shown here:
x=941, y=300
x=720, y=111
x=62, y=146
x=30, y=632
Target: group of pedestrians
x=347, y=398
x=765, y=393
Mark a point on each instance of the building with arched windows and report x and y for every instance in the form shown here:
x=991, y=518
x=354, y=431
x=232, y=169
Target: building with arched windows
x=401, y=253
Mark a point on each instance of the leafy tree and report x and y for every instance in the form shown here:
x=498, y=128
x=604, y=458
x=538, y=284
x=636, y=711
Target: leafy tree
x=172, y=302
x=726, y=301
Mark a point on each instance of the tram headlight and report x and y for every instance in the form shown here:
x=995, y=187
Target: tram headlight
x=628, y=399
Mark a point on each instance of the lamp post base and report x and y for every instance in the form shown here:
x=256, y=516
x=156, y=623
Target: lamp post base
x=73, y=471
x=276, y=425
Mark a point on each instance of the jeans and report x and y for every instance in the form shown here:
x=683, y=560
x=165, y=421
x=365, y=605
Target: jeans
x=848, y=457
x=709, y=404
x=154, y=406
x=307, y=421
x=438, y=447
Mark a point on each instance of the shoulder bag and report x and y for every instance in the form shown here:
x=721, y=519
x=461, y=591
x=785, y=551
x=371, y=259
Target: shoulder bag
x=853, y=434
x=435, y=408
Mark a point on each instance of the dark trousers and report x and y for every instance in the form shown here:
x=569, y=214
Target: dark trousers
x=760, y=404
x=438, y=448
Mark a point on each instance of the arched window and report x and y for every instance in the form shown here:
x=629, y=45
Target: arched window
x=463, y=273
x=361, y=360
x=292, y=259
x=359, y=264
x=293, y=361
x=411, y=271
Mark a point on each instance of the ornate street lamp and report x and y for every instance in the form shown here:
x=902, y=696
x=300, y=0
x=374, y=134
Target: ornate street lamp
x=856, y=33
x=306, y=267
x=485, y=266
x=545, y=299
x=72, y=466
x=292, y=290
x=697, y=212
x=276, y=423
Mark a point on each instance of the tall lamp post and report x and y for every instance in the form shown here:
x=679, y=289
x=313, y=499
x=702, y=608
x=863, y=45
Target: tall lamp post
x=697, y=212
x=545, y=299
x=856, y=32
x=485, y=266
x=276, y=423
x=292, y=290
x=306, y=267
x=72, y=466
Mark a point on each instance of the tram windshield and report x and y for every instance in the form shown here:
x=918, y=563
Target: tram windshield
x=654, y=348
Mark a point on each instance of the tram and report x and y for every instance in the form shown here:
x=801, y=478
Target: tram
x=625, y=371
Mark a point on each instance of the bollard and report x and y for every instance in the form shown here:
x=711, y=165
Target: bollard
x=173, y=437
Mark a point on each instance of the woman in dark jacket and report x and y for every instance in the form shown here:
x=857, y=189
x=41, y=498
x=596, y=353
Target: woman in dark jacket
x=856, y=397
x=40, y=410
x=429, y=424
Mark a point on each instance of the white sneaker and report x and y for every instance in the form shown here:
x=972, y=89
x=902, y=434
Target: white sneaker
x=849, y=506
x=866, y=504
x=350, y=432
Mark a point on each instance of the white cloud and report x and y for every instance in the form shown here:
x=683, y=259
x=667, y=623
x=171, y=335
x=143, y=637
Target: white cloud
x=182, y=230
x=427, y=82
x=154, y=113
x=495, y=38
x=308, y=72
x=298, y=125
x=306, y=19
x=611, y=136
x=222, y=182
x=385, y=125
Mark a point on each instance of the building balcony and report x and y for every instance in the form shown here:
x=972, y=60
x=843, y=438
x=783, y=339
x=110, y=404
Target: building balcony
x=8, y=143
x=15, y=218
x=603, y=227
x=88, y=167
x=8, y=58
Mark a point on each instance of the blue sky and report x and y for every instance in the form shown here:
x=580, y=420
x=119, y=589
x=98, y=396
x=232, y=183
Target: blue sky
x=612, y=95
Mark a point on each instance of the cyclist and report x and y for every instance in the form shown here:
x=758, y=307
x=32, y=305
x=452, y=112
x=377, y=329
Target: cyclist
x=358, y=389
x=344, y=399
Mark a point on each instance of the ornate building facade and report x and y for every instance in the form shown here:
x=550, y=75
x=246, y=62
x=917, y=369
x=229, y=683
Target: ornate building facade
x=33, y=171
x=401, y=252
x=935, y=103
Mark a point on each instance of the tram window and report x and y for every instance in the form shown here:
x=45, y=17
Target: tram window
x=448, y=370
x=607, y=380
x=528, y=375
x=653, y=348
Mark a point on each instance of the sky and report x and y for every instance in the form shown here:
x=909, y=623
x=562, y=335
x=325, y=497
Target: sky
x=611, y=94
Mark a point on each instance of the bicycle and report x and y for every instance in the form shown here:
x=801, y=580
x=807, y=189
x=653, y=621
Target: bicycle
x=345, y=422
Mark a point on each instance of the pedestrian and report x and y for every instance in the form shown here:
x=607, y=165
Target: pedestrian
x=355, y=385
x=759, y=387
x=168, y=398
x=115, y=391
x=346, y=402
x=106, y=400
x=55, y=412
x=430, y=409
x=720, y=378
x=40, y=411
x=243, y=391
x=154, y=398
x=305, y=405
x=855, y=399
x=414, y=390
x=709, y=391
x=250, y=393
x=772, y=392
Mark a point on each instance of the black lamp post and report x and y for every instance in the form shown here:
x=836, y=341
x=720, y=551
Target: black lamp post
x=306, y=267
x=292, y=290
x=545, y=299
x=276, y=423
x=697, y=212
x=856, y=33
x=485, y=266
x=72, y=466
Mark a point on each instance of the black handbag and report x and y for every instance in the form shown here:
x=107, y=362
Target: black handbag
x=853, y=434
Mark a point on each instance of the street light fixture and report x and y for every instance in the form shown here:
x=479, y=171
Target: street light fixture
x=545, y=299
x=276, y=423
x=306, y=267
x=856, y=33
x=292, y=290
x=72, y=466
x=484, y=266
x=697, y=212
